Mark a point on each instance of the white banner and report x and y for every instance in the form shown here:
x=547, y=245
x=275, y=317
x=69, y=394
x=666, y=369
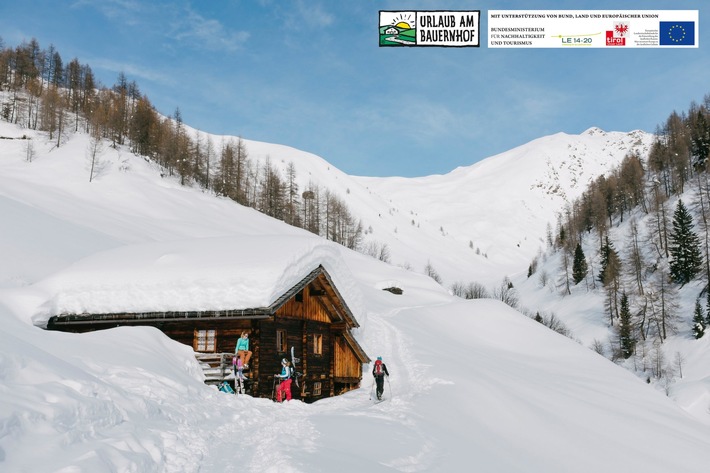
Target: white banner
x=593, y=29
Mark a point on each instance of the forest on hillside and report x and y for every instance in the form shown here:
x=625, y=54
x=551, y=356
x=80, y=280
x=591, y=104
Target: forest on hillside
x=40, y=92
x=662, y=202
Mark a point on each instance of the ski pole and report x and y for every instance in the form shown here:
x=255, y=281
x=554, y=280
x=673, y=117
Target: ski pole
x=389, y=386
x=372, y=387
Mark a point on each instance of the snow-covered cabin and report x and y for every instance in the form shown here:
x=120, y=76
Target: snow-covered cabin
x=286, y=291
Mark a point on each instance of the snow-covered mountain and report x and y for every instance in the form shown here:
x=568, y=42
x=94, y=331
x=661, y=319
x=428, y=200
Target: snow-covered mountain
x=491, y=215
x=475, y=384
x=477, y=223
x=503, y=204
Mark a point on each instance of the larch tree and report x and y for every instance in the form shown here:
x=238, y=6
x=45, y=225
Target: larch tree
x=610, y=277
x=634, y=256
x=662, y=300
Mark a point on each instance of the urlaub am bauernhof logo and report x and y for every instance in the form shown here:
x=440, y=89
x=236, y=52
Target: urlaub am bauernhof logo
x=617, y=36
x=430, y=28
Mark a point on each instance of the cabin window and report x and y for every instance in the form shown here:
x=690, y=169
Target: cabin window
x=317, y=344
x=205, y=341
x=281, y=345
x=317, y=388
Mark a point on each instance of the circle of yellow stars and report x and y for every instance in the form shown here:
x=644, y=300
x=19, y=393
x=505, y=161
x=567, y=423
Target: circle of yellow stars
x=670, y=33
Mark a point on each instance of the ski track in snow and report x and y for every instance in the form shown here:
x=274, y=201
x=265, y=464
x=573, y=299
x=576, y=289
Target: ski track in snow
x=410, y=378
x=261, y=436
x=258, y=435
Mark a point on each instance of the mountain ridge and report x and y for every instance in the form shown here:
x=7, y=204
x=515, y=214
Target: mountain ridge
x=415, y=216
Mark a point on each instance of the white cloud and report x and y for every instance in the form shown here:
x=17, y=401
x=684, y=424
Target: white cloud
x=131, y=70
x=204, y=32
x=314, y=15
x=123, y=10
x=184, y=24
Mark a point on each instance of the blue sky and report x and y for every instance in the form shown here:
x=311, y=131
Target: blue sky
x=310, y=74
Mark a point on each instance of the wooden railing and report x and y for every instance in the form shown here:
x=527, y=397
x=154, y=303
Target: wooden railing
x=216, y=366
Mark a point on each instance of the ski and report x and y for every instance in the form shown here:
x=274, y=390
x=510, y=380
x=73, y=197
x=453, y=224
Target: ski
x=295, y=361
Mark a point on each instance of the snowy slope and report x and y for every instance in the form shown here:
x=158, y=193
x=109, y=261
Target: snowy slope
x=503, y=204
x=679, y=365
x=474, y=384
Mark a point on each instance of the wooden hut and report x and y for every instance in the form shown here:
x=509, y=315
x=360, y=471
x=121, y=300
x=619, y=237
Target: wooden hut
x=310, y=319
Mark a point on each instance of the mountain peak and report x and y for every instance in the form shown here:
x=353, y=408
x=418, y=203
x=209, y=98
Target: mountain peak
x=594, y=131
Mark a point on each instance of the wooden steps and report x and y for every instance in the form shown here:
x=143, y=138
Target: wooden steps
x=216, y=366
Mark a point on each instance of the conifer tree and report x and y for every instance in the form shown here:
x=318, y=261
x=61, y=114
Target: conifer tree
x=699, y=322
x=579, y=265
x=684, y=247
x=610, y=264
x=627, y=342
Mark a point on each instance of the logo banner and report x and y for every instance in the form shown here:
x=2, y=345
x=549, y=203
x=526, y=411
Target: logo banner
x=593, y=29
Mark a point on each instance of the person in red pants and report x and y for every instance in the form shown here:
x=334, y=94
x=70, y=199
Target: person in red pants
x=285, y=377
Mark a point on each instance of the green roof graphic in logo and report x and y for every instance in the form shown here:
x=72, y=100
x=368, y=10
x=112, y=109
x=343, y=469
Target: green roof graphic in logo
x=397, y=29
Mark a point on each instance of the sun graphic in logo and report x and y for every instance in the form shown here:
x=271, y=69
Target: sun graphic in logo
x=403, y=22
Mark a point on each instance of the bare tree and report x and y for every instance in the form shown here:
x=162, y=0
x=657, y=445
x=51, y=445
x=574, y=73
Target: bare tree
x=476, y=290
x=543, y=278
x=29, y=150
x=635, y=257
x=678, y=361
x=506, y=292
x=93, y=153
x=566, y=271
x=431, y=272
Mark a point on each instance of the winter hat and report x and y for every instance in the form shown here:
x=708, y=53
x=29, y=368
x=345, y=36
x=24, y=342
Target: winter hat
x=284, y=361
x=379, y=358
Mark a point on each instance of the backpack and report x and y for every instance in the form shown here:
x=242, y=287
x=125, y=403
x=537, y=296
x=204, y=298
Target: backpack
x=226, y=388
x=378, y=368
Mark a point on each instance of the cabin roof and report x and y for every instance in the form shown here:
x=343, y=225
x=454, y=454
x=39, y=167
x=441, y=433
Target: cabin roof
x=230, y=276
x=355, y=346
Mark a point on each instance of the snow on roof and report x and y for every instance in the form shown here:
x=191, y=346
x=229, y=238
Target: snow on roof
x=221, y=273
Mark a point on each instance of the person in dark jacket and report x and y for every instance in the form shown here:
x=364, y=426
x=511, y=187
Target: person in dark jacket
x=379, y=371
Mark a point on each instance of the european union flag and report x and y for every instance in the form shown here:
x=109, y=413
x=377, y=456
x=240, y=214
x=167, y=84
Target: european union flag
x=677, y=33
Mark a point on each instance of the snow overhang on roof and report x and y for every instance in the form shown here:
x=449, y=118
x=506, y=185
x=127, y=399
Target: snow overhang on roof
x=244, y=273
